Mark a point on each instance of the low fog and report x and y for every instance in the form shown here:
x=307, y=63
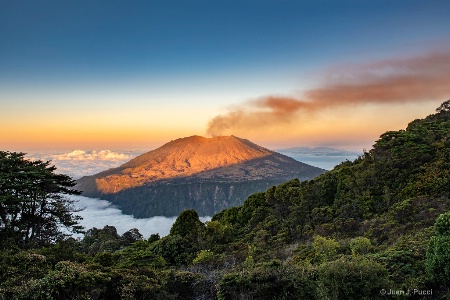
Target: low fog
x=99, y=213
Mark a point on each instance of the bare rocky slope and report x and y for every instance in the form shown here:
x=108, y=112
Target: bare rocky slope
x=207, y=174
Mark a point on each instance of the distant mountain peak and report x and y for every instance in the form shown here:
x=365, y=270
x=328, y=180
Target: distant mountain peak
x=196, y=154
x=195, y=160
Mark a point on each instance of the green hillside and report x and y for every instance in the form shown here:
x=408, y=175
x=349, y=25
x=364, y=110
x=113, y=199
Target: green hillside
x=374, y=228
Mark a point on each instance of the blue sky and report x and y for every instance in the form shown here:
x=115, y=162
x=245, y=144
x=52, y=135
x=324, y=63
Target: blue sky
x=85, y=40
x=119, y=73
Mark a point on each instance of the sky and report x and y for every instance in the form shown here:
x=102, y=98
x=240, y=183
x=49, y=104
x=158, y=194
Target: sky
x=135, y=75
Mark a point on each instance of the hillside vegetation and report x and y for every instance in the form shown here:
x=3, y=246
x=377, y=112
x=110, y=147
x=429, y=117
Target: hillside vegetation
x=374, y=228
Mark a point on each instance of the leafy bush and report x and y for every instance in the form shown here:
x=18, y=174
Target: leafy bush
x=268, y=281
x=353, y=278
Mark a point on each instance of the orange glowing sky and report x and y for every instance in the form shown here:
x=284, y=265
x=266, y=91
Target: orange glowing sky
x=131, y=77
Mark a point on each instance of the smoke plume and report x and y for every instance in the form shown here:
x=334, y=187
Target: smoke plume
x=425, y=78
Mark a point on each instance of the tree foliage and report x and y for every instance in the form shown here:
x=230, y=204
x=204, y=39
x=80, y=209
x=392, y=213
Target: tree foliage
x=438, y=253
x=33, y=202
x=187, y=224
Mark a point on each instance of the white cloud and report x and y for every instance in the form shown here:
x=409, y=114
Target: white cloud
x=79, y=163
x=99, y=213
x=92, y=155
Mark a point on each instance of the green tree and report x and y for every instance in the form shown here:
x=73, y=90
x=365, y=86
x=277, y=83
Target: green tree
x=138, y=254
x=188, y=226
x=100, y=240
x=153, y=238
x=444, y=108
x=131, y=236
x=353, y=278
x=438, y=253
x=34, y=207
x=360, y=245
x=175, y=250
x=325, y=248
x=270, y=280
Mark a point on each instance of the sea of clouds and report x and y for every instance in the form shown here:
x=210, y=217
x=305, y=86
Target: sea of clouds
x=79, y=163
x=99, y=213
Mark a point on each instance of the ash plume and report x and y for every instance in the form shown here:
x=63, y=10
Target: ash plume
x=425, y=78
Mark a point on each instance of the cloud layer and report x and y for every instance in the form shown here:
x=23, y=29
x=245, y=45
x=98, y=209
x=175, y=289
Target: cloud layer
x=417, y=79
x=99, y=213
x=80, y=163
x=91, y=155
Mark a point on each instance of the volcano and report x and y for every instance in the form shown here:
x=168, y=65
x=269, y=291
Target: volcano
x=206, y=174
